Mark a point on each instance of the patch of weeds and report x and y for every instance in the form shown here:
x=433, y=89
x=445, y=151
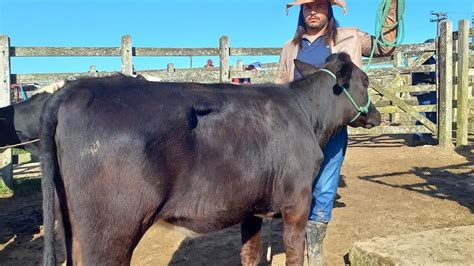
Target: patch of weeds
x=16, y=151
x=5, y=192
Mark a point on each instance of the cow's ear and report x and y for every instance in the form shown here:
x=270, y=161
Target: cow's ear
x=344, y=73
x=305, y=69
x=344, y=70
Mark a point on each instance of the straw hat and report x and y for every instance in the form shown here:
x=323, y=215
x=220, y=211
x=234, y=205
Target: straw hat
x=340, y=3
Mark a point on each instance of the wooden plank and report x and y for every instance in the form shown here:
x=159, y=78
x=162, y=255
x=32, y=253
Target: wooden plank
x=414, y=49
x=44, y=78
x=109, y=51
x=186, y=75
x=254, y=51
x=400, y=70
x=414, y=88
x=126, y=55
x=224, y=55
x=5, y=96
x=210, y=75
x=380, y=130
x=421, y=59
x=384, y=102
x=396, y=109
x=445, y=84
x=19, y=51
x=64, y=51
x=240, y=65
x=397, y=58
x=176, y=51
x=385, y=60
x=400, y=103
x=462, y=88
x=6, y=166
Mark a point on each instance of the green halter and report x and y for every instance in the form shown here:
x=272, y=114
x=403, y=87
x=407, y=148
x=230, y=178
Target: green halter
x=360, y=109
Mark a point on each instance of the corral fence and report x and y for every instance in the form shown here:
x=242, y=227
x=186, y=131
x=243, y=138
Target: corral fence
x=390, y=78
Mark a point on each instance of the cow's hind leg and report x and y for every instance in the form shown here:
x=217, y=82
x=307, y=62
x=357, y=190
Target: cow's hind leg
x=109, y=226
x=251, y=250
x=112, y=244
x=295, y=216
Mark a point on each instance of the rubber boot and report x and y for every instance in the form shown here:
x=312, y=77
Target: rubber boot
x=314, y=235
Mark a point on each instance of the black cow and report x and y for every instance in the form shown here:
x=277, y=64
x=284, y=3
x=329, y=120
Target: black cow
x=122, y=153
x=19, y=123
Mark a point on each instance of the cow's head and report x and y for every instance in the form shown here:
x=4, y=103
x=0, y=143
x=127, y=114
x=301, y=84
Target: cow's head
x=20, y=122
x=8, y=134
x=353, y=103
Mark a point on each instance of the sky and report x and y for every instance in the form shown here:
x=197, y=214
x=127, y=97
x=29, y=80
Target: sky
x=183, y=24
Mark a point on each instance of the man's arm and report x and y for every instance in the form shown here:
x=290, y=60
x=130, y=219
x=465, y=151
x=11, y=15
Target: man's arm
x=390, y=34
x=283, y=72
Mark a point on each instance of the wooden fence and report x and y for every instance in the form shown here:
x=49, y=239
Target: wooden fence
x=390, y=78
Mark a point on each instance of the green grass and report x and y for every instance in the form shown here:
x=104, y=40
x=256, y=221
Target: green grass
x=5, y=192
x=16, y=151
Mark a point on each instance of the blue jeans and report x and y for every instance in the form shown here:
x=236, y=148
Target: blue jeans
x=325, y=184
x=426, y=99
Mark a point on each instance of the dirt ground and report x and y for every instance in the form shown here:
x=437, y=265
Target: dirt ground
x=387, y=188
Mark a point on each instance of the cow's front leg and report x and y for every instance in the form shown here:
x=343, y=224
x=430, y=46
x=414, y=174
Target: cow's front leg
x=251, y=250
x=294, y=218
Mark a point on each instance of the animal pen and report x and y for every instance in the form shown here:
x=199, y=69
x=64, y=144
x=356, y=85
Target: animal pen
x=390, y=79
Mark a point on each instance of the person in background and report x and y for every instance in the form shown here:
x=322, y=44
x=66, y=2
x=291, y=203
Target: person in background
x=209, y=64
x=317, y=36
x=255, y=65
x=425, y=98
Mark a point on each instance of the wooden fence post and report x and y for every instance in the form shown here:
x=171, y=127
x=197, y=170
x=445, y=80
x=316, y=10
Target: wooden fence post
x=240, y=65
x=93, y=70
x=126, y=52
x=445, y=59
x=397, y=58
x=463, y=84
x=224, y=54
x=5, y=99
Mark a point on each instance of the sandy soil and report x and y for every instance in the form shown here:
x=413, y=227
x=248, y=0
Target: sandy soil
x=387, y=188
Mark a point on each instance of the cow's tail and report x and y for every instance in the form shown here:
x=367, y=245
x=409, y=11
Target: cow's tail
x=50, y=175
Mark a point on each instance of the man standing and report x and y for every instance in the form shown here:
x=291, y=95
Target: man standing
x=425, y=98
x=317, y=36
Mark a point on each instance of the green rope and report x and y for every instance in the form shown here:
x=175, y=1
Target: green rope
x=380, y=18
x=360, y=109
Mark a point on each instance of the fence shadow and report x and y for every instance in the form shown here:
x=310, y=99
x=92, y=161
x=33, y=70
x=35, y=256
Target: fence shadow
x=453, y=182
x=20, y=220
x=381, y=141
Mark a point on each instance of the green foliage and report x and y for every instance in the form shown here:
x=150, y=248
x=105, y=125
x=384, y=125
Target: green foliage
x=5, y=192
x=16, y=151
